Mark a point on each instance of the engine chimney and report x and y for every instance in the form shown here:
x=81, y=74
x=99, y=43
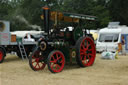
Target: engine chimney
x=46, y=13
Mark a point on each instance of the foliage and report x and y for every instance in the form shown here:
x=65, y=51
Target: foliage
x=119, y=11
x=23, y=14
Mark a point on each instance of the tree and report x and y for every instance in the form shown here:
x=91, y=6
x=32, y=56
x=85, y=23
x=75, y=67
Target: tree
x=4, y=9
x=90, y=7
x=23, y=14
x=101, y=11
x=119, y=11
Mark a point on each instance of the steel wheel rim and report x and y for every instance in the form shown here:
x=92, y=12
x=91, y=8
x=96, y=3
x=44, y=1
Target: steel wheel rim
x=1, y=55
x=36, y=63
x=87, y=52
x=57, y=62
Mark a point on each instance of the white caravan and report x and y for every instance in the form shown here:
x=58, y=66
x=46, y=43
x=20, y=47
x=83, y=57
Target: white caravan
x=110, y=36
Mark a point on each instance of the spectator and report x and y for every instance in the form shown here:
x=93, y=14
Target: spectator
x=123, y=45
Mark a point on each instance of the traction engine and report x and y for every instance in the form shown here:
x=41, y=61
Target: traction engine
x=61, y=45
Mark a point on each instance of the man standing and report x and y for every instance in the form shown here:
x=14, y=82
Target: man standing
x=123, y=45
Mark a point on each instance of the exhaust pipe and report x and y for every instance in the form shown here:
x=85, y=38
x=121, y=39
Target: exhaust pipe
x=46, y=13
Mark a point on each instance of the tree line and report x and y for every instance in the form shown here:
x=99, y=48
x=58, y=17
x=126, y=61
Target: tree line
x=25, y=14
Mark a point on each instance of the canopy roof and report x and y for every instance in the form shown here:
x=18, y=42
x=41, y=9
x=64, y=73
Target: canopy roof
x=69, y=17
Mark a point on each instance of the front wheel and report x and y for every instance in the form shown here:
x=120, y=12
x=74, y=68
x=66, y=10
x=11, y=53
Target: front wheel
x=36, y=60
x=86, y=51
x=56, y=61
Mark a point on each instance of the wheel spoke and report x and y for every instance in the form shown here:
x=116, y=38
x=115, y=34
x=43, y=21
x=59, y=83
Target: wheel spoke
x=33, y=61
x=88, y=58
x=39, y=65
x=83, y=46
x=85, y=61
x=59, y=58
x=56, y=56
x=53, y=61
x=82, y=57
x=53, y=58
x=88, y=46
x=90, y=54
x=61, y=61
x=82, y=53
x=89, y=49
x=52, y=65
x=58, y=66
x=85, y=57
x=36, y=65
x=83, y=43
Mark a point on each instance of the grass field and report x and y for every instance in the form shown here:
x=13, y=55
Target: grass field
x=14, y=71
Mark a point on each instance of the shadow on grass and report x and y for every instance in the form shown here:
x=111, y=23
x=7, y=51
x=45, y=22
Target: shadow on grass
x=12, y=58
x=71, y=66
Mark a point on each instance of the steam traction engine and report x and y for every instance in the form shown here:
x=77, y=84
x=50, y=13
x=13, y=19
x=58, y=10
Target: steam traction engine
x=63, y=45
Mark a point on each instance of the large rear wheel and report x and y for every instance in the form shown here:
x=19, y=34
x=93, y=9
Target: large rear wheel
x=56, y=61
x=86, y=51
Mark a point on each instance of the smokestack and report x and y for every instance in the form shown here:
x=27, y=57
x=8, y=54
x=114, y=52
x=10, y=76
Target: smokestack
x=46, y=13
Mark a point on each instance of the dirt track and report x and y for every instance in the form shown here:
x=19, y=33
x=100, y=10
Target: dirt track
x=104, y=72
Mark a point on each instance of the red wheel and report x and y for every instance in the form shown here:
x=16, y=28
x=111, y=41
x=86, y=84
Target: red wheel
x=36, y=61
x=86, y=51
x=1, y=55
x=56, y=61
